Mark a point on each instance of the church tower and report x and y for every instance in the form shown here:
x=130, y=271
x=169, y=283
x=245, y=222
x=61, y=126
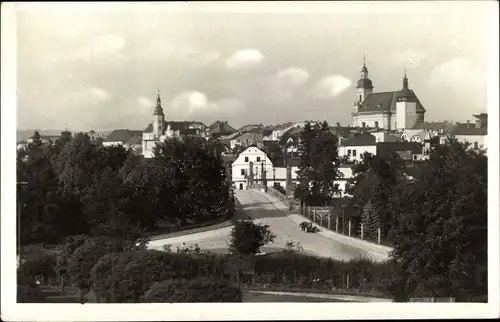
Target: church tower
x=364, y=87
x=158, y=118
x=406, y=107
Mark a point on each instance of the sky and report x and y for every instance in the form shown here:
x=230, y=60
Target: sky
x=101, y=66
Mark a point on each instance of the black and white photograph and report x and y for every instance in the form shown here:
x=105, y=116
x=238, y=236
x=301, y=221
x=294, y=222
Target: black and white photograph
x=249, y=160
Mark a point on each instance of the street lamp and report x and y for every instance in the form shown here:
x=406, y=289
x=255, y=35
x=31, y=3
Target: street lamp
x=274, y=177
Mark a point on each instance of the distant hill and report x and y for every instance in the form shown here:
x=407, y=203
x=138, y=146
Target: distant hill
x=23, y=135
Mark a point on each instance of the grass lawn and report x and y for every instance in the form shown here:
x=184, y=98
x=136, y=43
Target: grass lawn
x=260, y=297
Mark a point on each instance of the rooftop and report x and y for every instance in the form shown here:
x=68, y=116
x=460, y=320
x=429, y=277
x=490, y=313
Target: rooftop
x=385, y=102
x=363, y=139
x=122, y=135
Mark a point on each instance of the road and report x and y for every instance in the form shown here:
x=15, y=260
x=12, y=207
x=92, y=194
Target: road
x=262, y=210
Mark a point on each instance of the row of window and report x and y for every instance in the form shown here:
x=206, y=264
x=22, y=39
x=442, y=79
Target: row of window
x=246, y=159
x=363, y=124
x=353, y=153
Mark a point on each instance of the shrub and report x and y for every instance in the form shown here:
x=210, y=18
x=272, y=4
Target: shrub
x=202, y=290
x=29, y=294
x=247, y=237
x=41, y=265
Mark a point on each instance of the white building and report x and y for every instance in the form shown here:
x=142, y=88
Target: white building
x=352, y=149
x=256, y=159
x=474, y=133
x=250, y=163
x=393, y=110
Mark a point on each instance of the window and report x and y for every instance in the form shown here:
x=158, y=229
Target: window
x=360, y=97
x=243, y=172
x=363, y=124
x=476, y=145
x=353, y=153
x=348, y=152
x=336, y=187
x=376, y=123
x=414, y=157
x=246, y=159
x=258, y=159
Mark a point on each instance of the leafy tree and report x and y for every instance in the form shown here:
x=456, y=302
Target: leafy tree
x=318, y=167
x=247, y=237
x=440, y=243
x=375, y=179
x=370, y=222
x=203, y=290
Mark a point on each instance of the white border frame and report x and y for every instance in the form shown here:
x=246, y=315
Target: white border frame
x=253, y=311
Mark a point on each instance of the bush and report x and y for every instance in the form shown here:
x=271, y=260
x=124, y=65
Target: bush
x=39, y=265
x=29, y=294
x=134, y=272
x=247, y=237
x=204, y=290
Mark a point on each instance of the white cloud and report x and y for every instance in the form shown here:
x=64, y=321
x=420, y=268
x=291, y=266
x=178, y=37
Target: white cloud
x=192, y=104
x=408, y=58
x=332, y=85
x=144, y=102
x=292, y=76
x=457, y=71
x=245, y=59
x=99, y=93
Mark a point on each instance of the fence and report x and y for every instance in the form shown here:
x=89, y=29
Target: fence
x=332, y=218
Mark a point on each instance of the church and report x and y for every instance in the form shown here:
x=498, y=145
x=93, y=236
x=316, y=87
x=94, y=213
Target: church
x=394, y=111
x=160, y=130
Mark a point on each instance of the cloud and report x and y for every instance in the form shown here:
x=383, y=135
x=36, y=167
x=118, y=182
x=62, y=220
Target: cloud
x=332, y=85
x=408, y=58
x=99, y=93
x=144, y=102
x=194, y=104
x=245, y=59
x=457, y=82
x=292, y=76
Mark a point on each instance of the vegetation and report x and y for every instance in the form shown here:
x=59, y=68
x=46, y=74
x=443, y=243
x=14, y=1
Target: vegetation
x=440, y=240
x=248, y=237
x=76, y=187
x=202, y=289
x=318, y=166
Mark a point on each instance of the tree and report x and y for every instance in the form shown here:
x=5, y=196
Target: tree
x=370, y=222
x=440, y=242
x=203, y=290
x=247, y=237
x=318, y=167
x=374, y=179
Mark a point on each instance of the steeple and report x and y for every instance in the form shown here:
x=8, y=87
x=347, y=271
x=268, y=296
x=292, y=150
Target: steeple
x=364, y=86
x=158, y=109
x=406, y=94
x=405, y=81
x=364, y=70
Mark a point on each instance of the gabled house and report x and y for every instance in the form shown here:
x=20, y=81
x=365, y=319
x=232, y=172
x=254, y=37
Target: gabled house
x=221, y=128
x=124, y=137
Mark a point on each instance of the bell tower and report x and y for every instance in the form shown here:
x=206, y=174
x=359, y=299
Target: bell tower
x=364, y=87
x=158, y=118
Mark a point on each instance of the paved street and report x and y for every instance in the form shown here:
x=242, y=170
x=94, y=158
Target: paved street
x=262, y=210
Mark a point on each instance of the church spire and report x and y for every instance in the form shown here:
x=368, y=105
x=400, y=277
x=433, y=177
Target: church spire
x=158, y=109
x=364, y=69
x=405, y=81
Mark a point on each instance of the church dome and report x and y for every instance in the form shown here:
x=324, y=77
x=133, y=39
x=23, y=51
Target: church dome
x=365, y=83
